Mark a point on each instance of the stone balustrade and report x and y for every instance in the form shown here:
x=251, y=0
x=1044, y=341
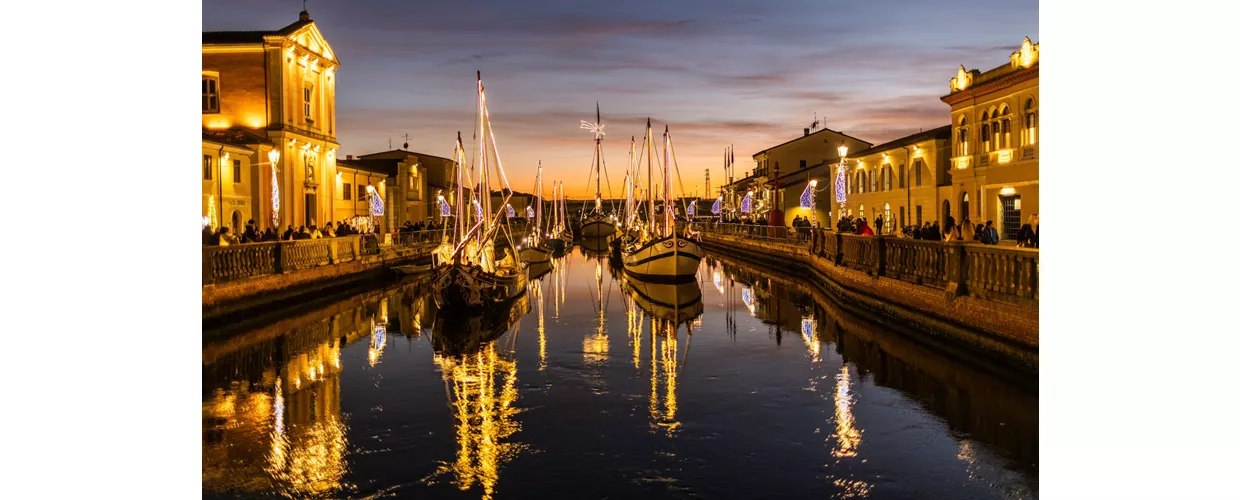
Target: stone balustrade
x=228, y=263
x=988, y=272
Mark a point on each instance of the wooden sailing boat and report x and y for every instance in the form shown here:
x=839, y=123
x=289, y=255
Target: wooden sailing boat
x=535, y=249
x=595, y=223
x=467, y=272
x=557, y=240
x=658, y=254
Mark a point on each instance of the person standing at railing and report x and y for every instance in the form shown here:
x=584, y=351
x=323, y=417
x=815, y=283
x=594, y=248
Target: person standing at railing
x=990, y=235
x=1027, y=237
x=878, y=225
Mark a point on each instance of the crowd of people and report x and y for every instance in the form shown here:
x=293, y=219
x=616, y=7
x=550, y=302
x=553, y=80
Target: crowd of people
x=225, y=236
x=986, y=234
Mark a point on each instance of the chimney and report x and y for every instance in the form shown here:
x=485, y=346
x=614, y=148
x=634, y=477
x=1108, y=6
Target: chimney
x=806, y=132
x=349, y=157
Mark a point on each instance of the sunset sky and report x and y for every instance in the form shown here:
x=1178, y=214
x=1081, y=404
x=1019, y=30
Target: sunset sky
x=718, y=72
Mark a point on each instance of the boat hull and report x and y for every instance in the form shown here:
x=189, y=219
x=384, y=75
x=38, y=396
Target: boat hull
x=677, y=303
x=663, y=260
x=597, y=228
x=535, y=255
x=458, y=288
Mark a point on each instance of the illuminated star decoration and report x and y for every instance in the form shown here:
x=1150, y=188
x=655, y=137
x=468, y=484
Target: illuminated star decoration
x=511, y=212
x=593, y=127
x=747, y=203
x=807, y=197
x=718, y=206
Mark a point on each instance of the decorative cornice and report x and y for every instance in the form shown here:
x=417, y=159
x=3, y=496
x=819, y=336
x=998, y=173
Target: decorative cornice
x=990, y=86
x=278, y=127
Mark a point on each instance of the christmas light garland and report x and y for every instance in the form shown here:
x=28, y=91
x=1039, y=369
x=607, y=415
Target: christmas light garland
x=718, y=206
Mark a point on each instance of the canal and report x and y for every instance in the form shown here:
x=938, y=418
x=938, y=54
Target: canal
x=746, y=384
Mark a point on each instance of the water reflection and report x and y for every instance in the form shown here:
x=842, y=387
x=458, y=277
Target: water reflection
x=882, y=414
x=482, y=394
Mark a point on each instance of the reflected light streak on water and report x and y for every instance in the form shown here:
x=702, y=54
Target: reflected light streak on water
x=326, y=405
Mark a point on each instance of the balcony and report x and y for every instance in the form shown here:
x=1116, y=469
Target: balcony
x=1029, y=152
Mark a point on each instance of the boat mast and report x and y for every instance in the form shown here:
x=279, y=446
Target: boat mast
x=484, y=186
x=538, y=208
x=598, y=153
x=650, y=175
x=667, y=188
x=460, y=189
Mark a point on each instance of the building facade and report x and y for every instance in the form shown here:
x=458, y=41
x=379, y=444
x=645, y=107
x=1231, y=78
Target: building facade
x=995, y=141
x=269, y=108
x=402, y=180
x=798, y=158
x=905, y=181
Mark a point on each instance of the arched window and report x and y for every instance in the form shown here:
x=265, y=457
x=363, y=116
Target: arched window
x=994, y=130
x=962, y=138
x=1005, y=140
x=985, y=132
x=964, y=205
x=1031, y=122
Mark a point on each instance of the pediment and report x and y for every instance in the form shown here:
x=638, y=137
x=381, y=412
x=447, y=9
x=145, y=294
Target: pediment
x=311, y=38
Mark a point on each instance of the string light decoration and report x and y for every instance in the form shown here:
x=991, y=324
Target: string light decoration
x=511, y=212
x=593, y=127
x=529, y=212
x=445, y=210
x=692, y=210
x=273, y=157
x=211, y=213
x=376, y=202
x=747, y=203
x=718, y=206
x=807, y=196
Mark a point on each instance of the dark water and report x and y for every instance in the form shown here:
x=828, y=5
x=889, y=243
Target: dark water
x=761, y=389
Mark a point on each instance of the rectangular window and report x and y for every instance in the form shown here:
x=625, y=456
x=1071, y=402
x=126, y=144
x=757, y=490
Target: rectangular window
x=902, y=224
x=802, y=163
x=306, y=93
x=361, y=192
x=348, y=191
x=236, y=171
x=919, y=215
x=206, y=167
x=210, y=94
x=917, y=168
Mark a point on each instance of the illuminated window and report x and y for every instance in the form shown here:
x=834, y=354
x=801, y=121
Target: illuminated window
x=994, y=131
x=306, y=92
x=236, y=171
x=962, y=138
x=985, y=132
x=1005, y=140
x=1031, y=122
x=206, y=167
x=347, y=191
x=210, y=94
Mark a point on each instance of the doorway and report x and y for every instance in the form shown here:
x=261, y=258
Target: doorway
x=1010, y=215
x=964, y=205
x=947, y=211
x=236, y=221
x=310, y=210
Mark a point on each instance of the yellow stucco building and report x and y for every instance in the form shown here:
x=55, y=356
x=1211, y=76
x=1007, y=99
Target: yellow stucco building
x=995, y=141
x=983, y=166
x=269, y=95
x=409, y=184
